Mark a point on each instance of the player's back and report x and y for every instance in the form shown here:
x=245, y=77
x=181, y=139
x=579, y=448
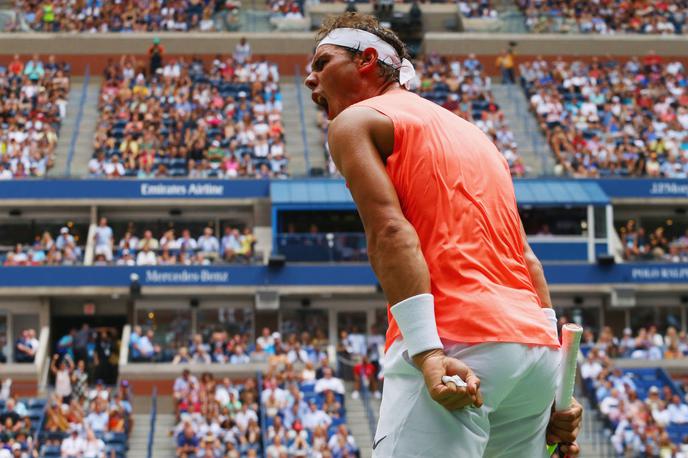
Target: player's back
x=455, y=188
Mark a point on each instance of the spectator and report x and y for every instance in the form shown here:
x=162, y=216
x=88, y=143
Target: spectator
x=365, y=373
x=73, y=446
x=26, y=347
x=208, y=245
x=329, y=382
x=103, y=238
x=62, y=373
x=242, y=51
x=146, y=257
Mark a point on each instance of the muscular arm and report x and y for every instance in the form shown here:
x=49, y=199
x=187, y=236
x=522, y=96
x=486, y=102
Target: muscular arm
x=359, y=137
x=537, y=274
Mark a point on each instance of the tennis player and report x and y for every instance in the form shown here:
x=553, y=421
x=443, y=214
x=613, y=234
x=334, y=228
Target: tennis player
x=469, y=297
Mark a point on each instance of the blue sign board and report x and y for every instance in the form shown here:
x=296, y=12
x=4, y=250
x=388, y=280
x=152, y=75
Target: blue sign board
x=306, y=275
x=645, y=188
x=133, y=189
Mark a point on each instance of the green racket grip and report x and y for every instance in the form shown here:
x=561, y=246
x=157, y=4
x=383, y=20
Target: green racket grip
x=551, y=449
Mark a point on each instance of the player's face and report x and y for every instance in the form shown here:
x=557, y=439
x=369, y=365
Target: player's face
x=334, y=80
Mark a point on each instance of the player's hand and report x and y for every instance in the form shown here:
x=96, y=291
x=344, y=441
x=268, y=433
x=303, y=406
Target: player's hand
x=435, y=364
x=564, y=427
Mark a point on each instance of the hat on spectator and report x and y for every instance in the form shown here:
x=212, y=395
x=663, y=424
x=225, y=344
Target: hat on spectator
x=156, y=40
x=16, y=446
x=242, y=94
x=276, y=335
x=653, y=389
x=627, y=331
x=64, y=230
x=125, y=383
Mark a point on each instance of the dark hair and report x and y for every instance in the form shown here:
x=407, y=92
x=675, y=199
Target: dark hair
x=354, y=20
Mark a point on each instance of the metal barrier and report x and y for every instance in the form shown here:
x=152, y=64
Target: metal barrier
x=261, y=413
x=77, y=122
x=153, y=418
x=302, y=115
x=365, y=397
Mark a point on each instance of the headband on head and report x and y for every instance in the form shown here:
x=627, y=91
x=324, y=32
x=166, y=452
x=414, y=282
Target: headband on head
x=362, y=40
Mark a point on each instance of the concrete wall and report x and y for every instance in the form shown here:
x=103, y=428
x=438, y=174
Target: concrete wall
x=290, y=50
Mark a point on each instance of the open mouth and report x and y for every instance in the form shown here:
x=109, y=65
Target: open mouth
x=321, y=102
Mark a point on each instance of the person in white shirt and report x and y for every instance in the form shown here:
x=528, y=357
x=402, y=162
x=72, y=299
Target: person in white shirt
x=242, y=51
x=342, y=436
x=72, y=446
x=245, y=416
x=145, y=345
x=96, y=166
x=63, y=382
x=591, y=367
x=357, y=341
x=222, y=391
x=114, y=168
x=97, y=420
x=208, y=244
x=280, y=394
x=93, y=447
x=186, y=242
x=315, y=417
x=678, y=412
x=103, y=239
x=239, y=356
x=329, y=382
x=265, y=340
x=146, y=257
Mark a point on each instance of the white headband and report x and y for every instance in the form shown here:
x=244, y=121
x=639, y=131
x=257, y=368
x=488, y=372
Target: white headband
x=362, y=40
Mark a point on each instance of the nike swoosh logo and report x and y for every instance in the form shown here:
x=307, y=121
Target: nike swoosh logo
x=375, y=444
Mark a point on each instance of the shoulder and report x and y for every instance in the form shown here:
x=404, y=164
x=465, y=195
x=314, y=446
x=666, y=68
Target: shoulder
x=361, y=123
x=360, y=118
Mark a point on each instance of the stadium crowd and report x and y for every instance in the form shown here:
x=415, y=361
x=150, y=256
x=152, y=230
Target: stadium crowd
x=644, y=412
x=33, y=104
x=216, y=418
x=462, y=87
x=608, y=17
x=173, y=247
x=611, y=118
x=183, y=118
x=657, y=245
x=19, y=419
x=47, y=251
x=648, y=343
x=122, y=16
x=84, y=418
x=478, y=9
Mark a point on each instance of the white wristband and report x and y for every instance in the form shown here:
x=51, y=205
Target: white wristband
x=416, y=319
x=551, y=316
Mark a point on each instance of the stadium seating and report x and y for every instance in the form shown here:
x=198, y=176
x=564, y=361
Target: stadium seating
x=33, y=104
x=611, y=118
x=617, y=16
x=223, y=121
x=129, y=16
x=199, y=425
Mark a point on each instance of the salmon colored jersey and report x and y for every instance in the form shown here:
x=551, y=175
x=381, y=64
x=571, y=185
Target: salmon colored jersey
x=455, y=188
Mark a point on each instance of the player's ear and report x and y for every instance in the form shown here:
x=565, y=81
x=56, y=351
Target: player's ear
x=368, y=60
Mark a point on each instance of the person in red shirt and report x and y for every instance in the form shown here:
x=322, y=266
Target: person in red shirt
x=16, y=67
x=365, y=373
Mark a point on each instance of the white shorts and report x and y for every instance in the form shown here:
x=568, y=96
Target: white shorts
x=517, y=383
